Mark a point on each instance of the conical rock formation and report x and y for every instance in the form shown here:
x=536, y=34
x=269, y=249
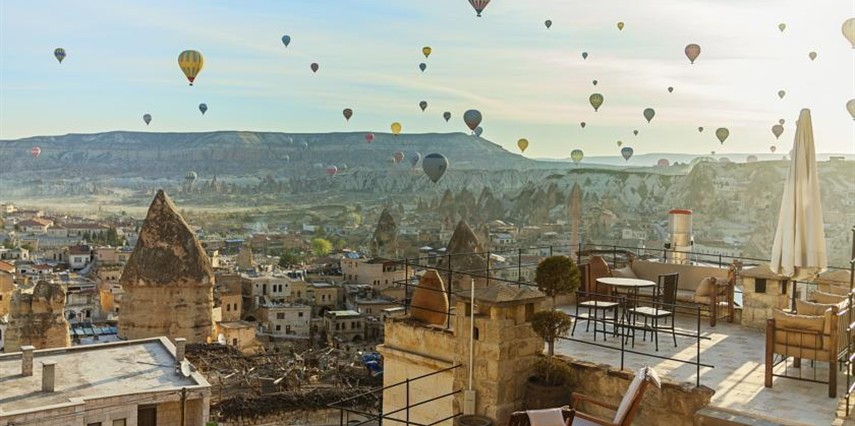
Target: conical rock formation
x=384, y=243
x=467, y=259
x=168, y=280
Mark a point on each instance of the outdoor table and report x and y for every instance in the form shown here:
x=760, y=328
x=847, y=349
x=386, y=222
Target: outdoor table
x=631, y=285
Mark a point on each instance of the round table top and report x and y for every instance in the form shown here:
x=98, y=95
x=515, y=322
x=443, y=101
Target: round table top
x=625, y=282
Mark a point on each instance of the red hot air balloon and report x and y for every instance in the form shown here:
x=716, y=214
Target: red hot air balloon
x=472, y=118
x=369, y=137
x=314, y=67
x=663, y=162
x=479, y=5
x=35, y=151
x=331, y=170
x=692, y=52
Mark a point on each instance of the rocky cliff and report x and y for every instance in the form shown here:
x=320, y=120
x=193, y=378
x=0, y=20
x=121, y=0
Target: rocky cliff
x=38, y=318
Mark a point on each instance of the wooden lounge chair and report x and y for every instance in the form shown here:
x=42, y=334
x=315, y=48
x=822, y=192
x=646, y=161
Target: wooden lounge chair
x=520, y=418
x=625, y=411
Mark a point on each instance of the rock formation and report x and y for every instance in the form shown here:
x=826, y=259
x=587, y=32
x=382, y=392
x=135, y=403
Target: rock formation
x=6, y=289
x=168, y=280
x=430, y=301
x=384, y=243
x=466, y=257
x=38, y=318
x=244, y=258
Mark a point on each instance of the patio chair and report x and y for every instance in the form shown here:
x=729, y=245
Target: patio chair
x=598, y=297
x=662, y=308
x=628, y=407
x=520, y=418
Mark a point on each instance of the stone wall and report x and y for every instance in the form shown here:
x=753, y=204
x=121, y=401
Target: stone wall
x=327, y=416
x=674, y=404
x=757, y=306
x=6, y=289
x=38, y=318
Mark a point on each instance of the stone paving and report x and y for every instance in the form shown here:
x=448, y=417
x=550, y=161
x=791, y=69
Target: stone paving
x=737, y=353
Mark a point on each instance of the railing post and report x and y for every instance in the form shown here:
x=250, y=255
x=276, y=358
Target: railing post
x=614, y=257
x=519, y=266
x=550, y=250
x=698, y=349
x=488, y=271
x=406, y=285
x=408, y=401
x=448, y=291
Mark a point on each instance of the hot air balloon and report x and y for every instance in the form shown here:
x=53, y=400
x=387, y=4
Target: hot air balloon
x=190, y=177
x=849, y=31
x=781, y=121
x=391, y=161
x=286, y=40
x=781, y=94
x=423, y=105
x=626, y=152
x=670, y=89
x=479, y=6
x=478, y=130
x=850, y=106
x=191, y=63
x=751, y=159
x=396, y=128
x=548, y=23
x=447, y=116
x=812, y=55
x=663, y=162
x=782, y=26
x=472, y=118
x=304, y=146
x=331, y=170
x=423, y=66
x=777, y=130
x=522, y=144
x=59, y=54
x=414, y=158
x=286, y=158
x=203, y=107
x=620, y=26
x=369, y=137
x=773, y=149
x=426, y=51
x=576, y=155
x=649, y=113
x=619, y=143
x=435, y=166
x=584, y=55
x=35, y=152
x=146, y=118
x=347, y=113
x=582, y=124
x=595, y=82
x=635, y=132
x=314, y=67
x=700, y=129
x=398, y=156
x=596, y=100
x=342, y=167
x=692, y=52
x=721, y=133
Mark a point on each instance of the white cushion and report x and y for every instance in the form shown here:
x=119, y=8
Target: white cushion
x=641, y=375
x=546, y=417
x=578, y=421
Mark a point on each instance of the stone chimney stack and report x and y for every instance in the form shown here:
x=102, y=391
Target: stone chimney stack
x=180, y=347
x=27, y=360
x=48, y=375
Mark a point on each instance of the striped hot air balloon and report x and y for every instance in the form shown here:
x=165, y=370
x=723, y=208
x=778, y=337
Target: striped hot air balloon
x=191, y=63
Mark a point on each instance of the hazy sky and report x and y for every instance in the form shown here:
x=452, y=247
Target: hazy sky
x=527, y=80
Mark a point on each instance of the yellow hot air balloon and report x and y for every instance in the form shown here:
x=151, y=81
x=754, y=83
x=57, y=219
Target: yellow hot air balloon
x=620, y=26
x=523, y=144
x=396, y=128
x=812, y=55
x=426, y=51
x=850, y=106
x=849, y=31
x=596, y=100
x=191, y=62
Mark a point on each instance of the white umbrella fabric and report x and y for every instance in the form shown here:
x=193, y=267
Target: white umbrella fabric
x=800, y=238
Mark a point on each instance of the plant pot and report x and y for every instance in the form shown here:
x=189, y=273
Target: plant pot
x=539, y=395
x=473, y=420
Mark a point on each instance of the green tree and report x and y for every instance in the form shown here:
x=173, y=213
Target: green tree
x=550, y=325
x=321, y=246
x=290, y=257
x=557, y=275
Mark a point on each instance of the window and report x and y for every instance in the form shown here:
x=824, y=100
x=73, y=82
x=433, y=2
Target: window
x=234, y=342
x=300, y=314
x=280, y=315
x=119, y=422
x=228, y=307
x=336, y=326
x=94, y=424
x=234, y=306
x=278, y=327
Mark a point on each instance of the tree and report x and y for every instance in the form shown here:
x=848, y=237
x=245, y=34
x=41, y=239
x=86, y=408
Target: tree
x=290, y=257
x=557, y=275
x=550, y=325
x=321, y=246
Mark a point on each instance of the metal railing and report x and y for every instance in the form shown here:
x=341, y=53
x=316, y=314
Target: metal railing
x=345, y=410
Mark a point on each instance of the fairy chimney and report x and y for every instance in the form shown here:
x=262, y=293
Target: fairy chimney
x=384, y=243
x=38, y=318
x=466, y=257
x=168, y=280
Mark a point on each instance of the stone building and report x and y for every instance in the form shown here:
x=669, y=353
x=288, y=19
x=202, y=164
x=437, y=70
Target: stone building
x=384, y=243
x=37, y=318
x=168, y=281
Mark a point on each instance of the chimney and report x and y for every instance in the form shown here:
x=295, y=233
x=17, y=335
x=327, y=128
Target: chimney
x=180, y=345
x=27, y=360
x=48, y=375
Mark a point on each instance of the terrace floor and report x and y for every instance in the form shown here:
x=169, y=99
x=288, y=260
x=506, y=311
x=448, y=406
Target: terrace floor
x=737, y=353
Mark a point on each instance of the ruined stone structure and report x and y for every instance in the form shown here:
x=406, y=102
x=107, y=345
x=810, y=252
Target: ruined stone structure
x=465, y=256
x=384, y=243
x=244, y=258
x=7, y=286
x=168, y=281
x=37, y=318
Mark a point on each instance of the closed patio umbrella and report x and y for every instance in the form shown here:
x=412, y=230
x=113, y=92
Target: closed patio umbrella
x=799, y=237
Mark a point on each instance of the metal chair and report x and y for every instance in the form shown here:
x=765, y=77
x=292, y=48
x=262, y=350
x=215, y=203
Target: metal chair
x=662, y=307
x=599, y=298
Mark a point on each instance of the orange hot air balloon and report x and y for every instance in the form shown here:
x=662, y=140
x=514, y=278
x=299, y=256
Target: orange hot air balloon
x=692, y=52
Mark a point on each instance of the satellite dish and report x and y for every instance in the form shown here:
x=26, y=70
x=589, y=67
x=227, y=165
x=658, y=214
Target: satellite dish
x=185, y=368
x=221, y=339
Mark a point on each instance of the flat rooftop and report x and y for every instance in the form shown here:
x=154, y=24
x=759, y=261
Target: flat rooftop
x=93, y=371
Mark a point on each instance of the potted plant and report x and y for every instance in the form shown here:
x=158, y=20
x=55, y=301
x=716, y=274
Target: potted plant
x=555, y=275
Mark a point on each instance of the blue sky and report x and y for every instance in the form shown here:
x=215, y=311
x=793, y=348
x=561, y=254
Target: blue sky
x=528, y=81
